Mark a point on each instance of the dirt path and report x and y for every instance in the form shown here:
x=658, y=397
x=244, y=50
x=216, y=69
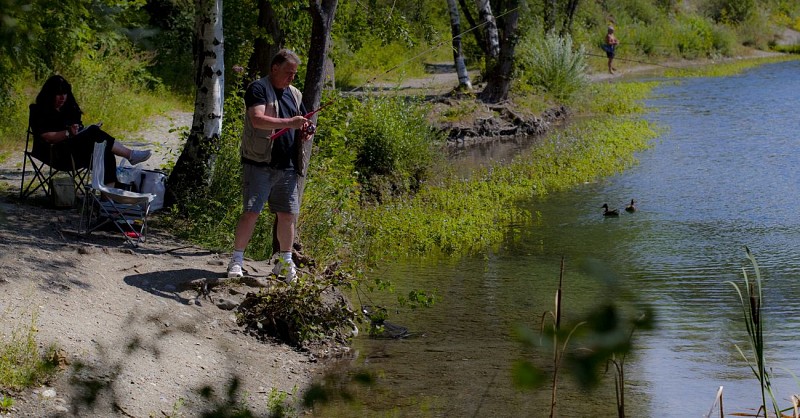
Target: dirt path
x=122, y=315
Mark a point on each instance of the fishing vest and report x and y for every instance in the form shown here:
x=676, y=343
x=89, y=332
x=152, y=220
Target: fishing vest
x=256, y=145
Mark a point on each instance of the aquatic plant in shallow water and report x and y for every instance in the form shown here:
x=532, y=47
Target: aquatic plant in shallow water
x=604, y=335
x=752, y=301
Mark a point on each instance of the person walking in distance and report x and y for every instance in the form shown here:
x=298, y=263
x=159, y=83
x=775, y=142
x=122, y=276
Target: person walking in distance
x=269, y=166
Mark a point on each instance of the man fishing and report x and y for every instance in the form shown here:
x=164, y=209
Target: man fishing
x=270, y=165
x=610, y=47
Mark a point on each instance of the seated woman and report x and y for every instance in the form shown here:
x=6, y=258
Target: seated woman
x=56, y=120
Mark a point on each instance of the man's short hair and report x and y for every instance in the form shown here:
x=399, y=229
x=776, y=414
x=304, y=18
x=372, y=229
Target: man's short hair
x=285, y=55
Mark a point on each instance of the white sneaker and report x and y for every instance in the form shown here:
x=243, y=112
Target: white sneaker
x=138, y=156
x=287, y=270
x=235, y=269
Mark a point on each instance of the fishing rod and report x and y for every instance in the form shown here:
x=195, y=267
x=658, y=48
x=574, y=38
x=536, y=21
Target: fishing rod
x=311, y=129
x=636, y=61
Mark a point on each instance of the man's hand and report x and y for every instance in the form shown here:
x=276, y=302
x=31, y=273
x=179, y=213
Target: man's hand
x=298, y=122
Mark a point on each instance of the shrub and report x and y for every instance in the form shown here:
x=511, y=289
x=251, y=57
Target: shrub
x=394, y=145
x=553, y=65
x=645, y=39
x=694, y=37
x=640, y=11
x=724, y=40
x=731, y=11
x=756, y=31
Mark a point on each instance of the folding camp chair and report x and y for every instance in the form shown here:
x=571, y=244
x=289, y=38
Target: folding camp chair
x=45, y=166
x=126, y=210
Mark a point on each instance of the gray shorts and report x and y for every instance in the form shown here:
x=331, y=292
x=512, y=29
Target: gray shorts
x=261, y=185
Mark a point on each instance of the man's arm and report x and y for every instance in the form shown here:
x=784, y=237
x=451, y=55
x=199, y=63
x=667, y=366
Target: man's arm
x=261, y=121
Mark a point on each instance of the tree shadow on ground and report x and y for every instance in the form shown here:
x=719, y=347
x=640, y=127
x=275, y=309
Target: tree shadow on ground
x=168, y=283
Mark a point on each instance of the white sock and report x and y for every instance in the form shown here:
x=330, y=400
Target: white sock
x=238, y=256
x=286, y=256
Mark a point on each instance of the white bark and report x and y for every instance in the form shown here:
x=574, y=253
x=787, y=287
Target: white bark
x=490, y=27
x=192, y=173
x=210, y=71
x=458, y=56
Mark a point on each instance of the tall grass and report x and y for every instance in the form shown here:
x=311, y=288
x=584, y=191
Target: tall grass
x=22, y=365
x=552, y=64
x=752, y=302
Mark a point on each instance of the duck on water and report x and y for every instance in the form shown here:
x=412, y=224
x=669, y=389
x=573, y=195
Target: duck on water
x=609, y=213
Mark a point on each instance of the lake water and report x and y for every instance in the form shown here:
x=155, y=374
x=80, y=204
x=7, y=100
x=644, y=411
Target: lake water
x=724, y=174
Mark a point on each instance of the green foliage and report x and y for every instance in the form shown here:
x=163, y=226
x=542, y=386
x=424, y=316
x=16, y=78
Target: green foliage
x=756, y=32
x=371, y=63
x=614, y=98
x=457, y=216
x=176, y=409
x=169, y=34
x=731, y=11
x=453, y=215
x=39, y=38
x=724, y=41
x=370, y=38
x=646, y=40
x=280, y=405
x=6, y=402
x=787, y=49
x=552, y=65
x=394, y=145
x=21, y=363
x=694, y=37
x=636, y=10
x=110, y=77
x=458, y=111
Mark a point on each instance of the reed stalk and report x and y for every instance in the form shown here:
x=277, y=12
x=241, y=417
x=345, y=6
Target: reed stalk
x=717, y=400
x=796, y=406
x=752, y=305
x=558, y=353
x=557, y=327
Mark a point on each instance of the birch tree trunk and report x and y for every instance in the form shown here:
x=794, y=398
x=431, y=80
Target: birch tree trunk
x=498, y=77
x=490, y=28
x=192, y=173
x=474, y=30
x=458, y=55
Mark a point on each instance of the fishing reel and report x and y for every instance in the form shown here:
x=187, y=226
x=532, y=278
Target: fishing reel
x=310, y=129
